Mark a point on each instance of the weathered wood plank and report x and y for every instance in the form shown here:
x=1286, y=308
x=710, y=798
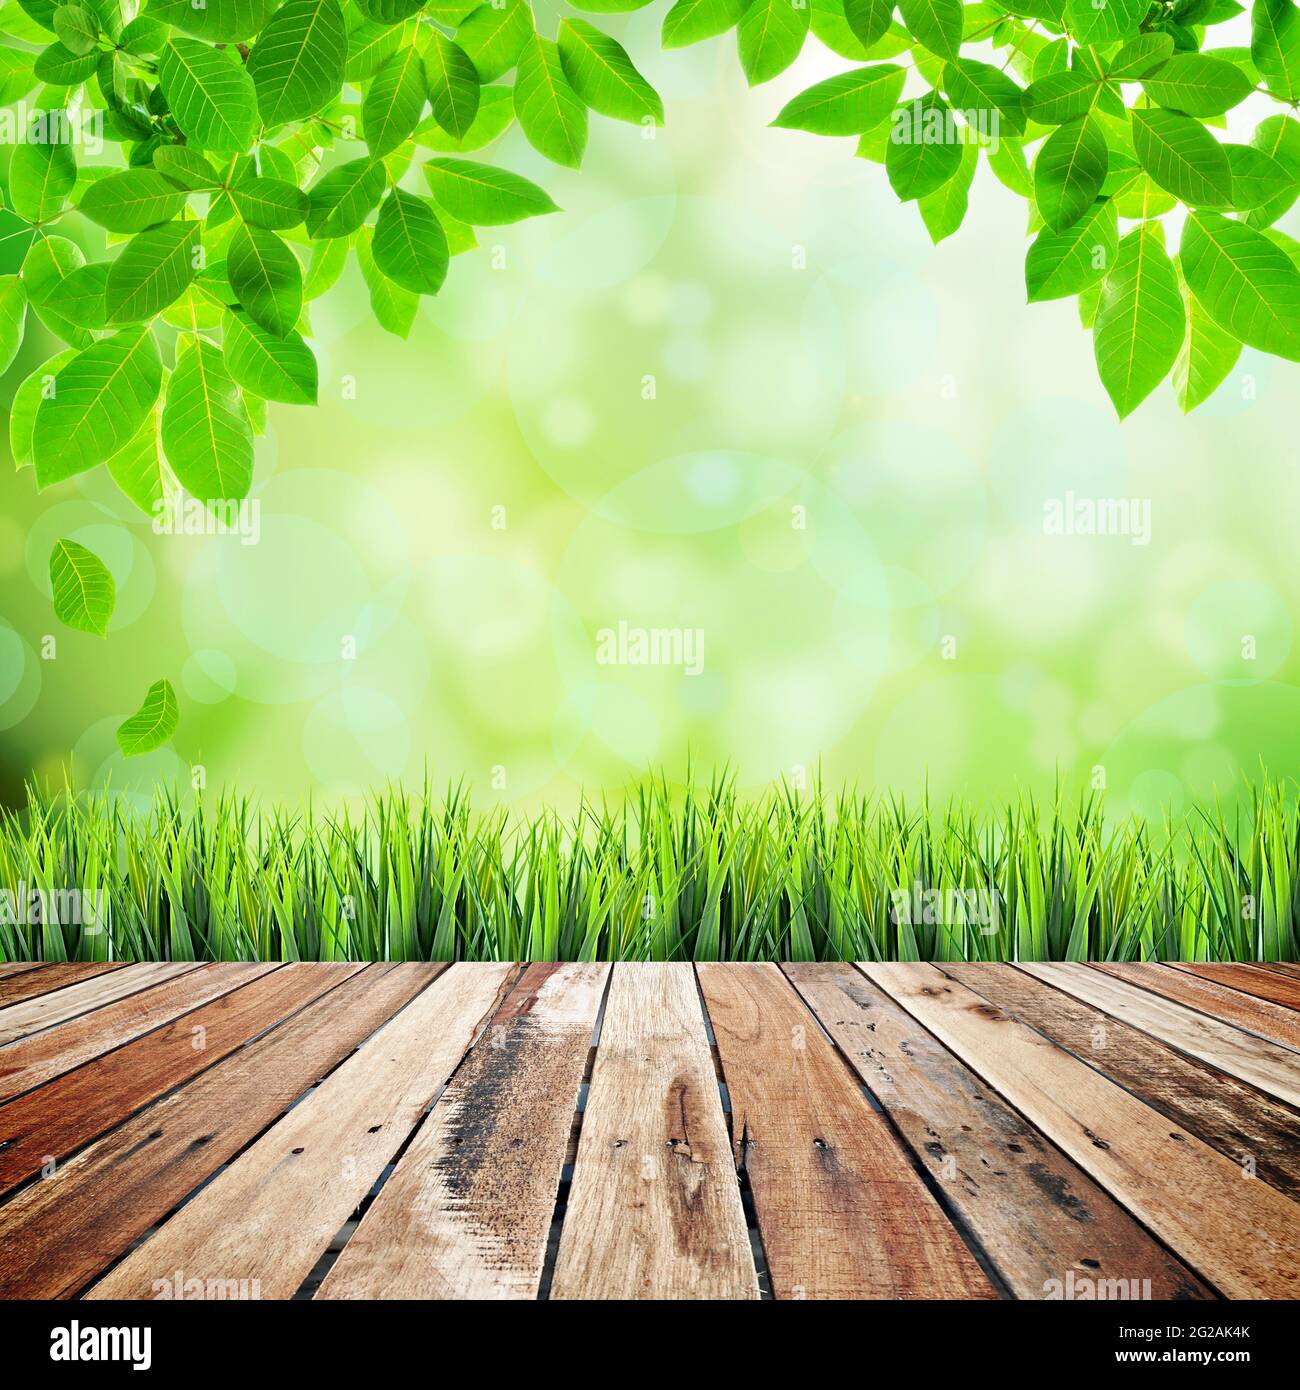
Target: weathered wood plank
x=1245, y=1125
x=1241, y=1235
x=40, y=1057
x=71, y=1001
x=467, y=1211
x=270, y=1215
x=30, y=985
x=841, y=1211
x=1275, y=984
x=1037, y=1215
x=654, y=1209
x=1261, y=1063
x=9, y=968
x=73, y=1109
x=59, y=1234
x=1280, y=967
x=1259, y=1016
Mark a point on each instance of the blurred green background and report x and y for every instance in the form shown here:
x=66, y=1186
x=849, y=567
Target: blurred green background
x=732, y=387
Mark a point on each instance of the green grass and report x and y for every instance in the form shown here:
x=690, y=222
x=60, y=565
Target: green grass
x=668, y=874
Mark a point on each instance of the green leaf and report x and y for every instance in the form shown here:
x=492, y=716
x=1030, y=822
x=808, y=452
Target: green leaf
x=298, y=61
x=987, y=97
x=494, y=37
x=944, y=210
x=32, y=390
x=770, y=36
x=135, y=468
x=869, y=19
x=924, y=148
x=549, y=111
x=496, y=113
x=80, y=297
x=211, y=95
x=394, y=307
x=95, y=404
x=16, y=76
x=277, y=369
x=1066, y=263
x=1182, y=157
x=409, y=245
x=60, y=67
x=270, y=203
x=340, y=201
x=328, y=258
x=394, y=102
x=153, y=724
x=692, y=21
x=49, y=262
x=83, y=589
x=1275, y=46
x=1141, y=321
x=1208, y=355
x=453, y=85
x=266, y=277
x=218, y=21
x=42, y=171
x=1198, y=85
x=185, y=167
x=483, y=195
x=132, y=200
x=602, y=74
x=1095, y=23
x=1061, y=97
x=371, y=44
x=1279, y=138
x=152, y=270
x=1258, y=178
x=13, y=315
x=77, y=28
x=1248, y=285
x=1140, y=55
x=389, y=11
x=205, y=435
x=935, y=23
x=1069, y=172
x=849, y=103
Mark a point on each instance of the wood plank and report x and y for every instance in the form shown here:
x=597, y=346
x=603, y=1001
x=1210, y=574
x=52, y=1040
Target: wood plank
x=654, y=1209
x=1263, y=1064
x=1239, y=1234
x=29, y=986
x=270, y=1216
x=58, y=1235
x=1242, y=1123
x=17, y=967
x=1281, y=967
x=33, y=1060
x=841, y=1210
x=73, y=1109
x=467, y=1211
x=1037, y=1215
x=70, y=1001
x=1275, y=984
x=1258, y=1016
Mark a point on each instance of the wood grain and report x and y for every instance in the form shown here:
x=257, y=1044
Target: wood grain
x=841, y=1210
x=46, y=1124
x=468, y=1209
x=1241, y=1235
x=1263, y=1064
x=43, y=1056
x=69, y=1001
x=270, y=1216
x=1244, y=1124
x=1037, y=1215
x=1255, y=1015
x=29, y=985
x=1276, y=983
x=17, y=967
x=654, y=1210
x=57, y=1235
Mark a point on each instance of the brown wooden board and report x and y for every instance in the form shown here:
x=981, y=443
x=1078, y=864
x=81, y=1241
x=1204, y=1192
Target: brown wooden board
x=54, y=1120
x=266, y=1219
x=1276, y=984
x=59, y=1234
x=467, y=1211
x=654, y=1209
x=841, y=1210
x=1039, y=1218
x=8, y=968
x=1254, y=1060
x=42, y=1056
x=1259, y=1016
x=28, y=985
x=1239, y=1234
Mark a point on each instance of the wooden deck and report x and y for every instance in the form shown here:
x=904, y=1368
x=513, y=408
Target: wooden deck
x=649, y=1131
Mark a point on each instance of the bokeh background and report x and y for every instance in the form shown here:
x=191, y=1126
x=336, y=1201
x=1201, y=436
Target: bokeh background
x=838, y=472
